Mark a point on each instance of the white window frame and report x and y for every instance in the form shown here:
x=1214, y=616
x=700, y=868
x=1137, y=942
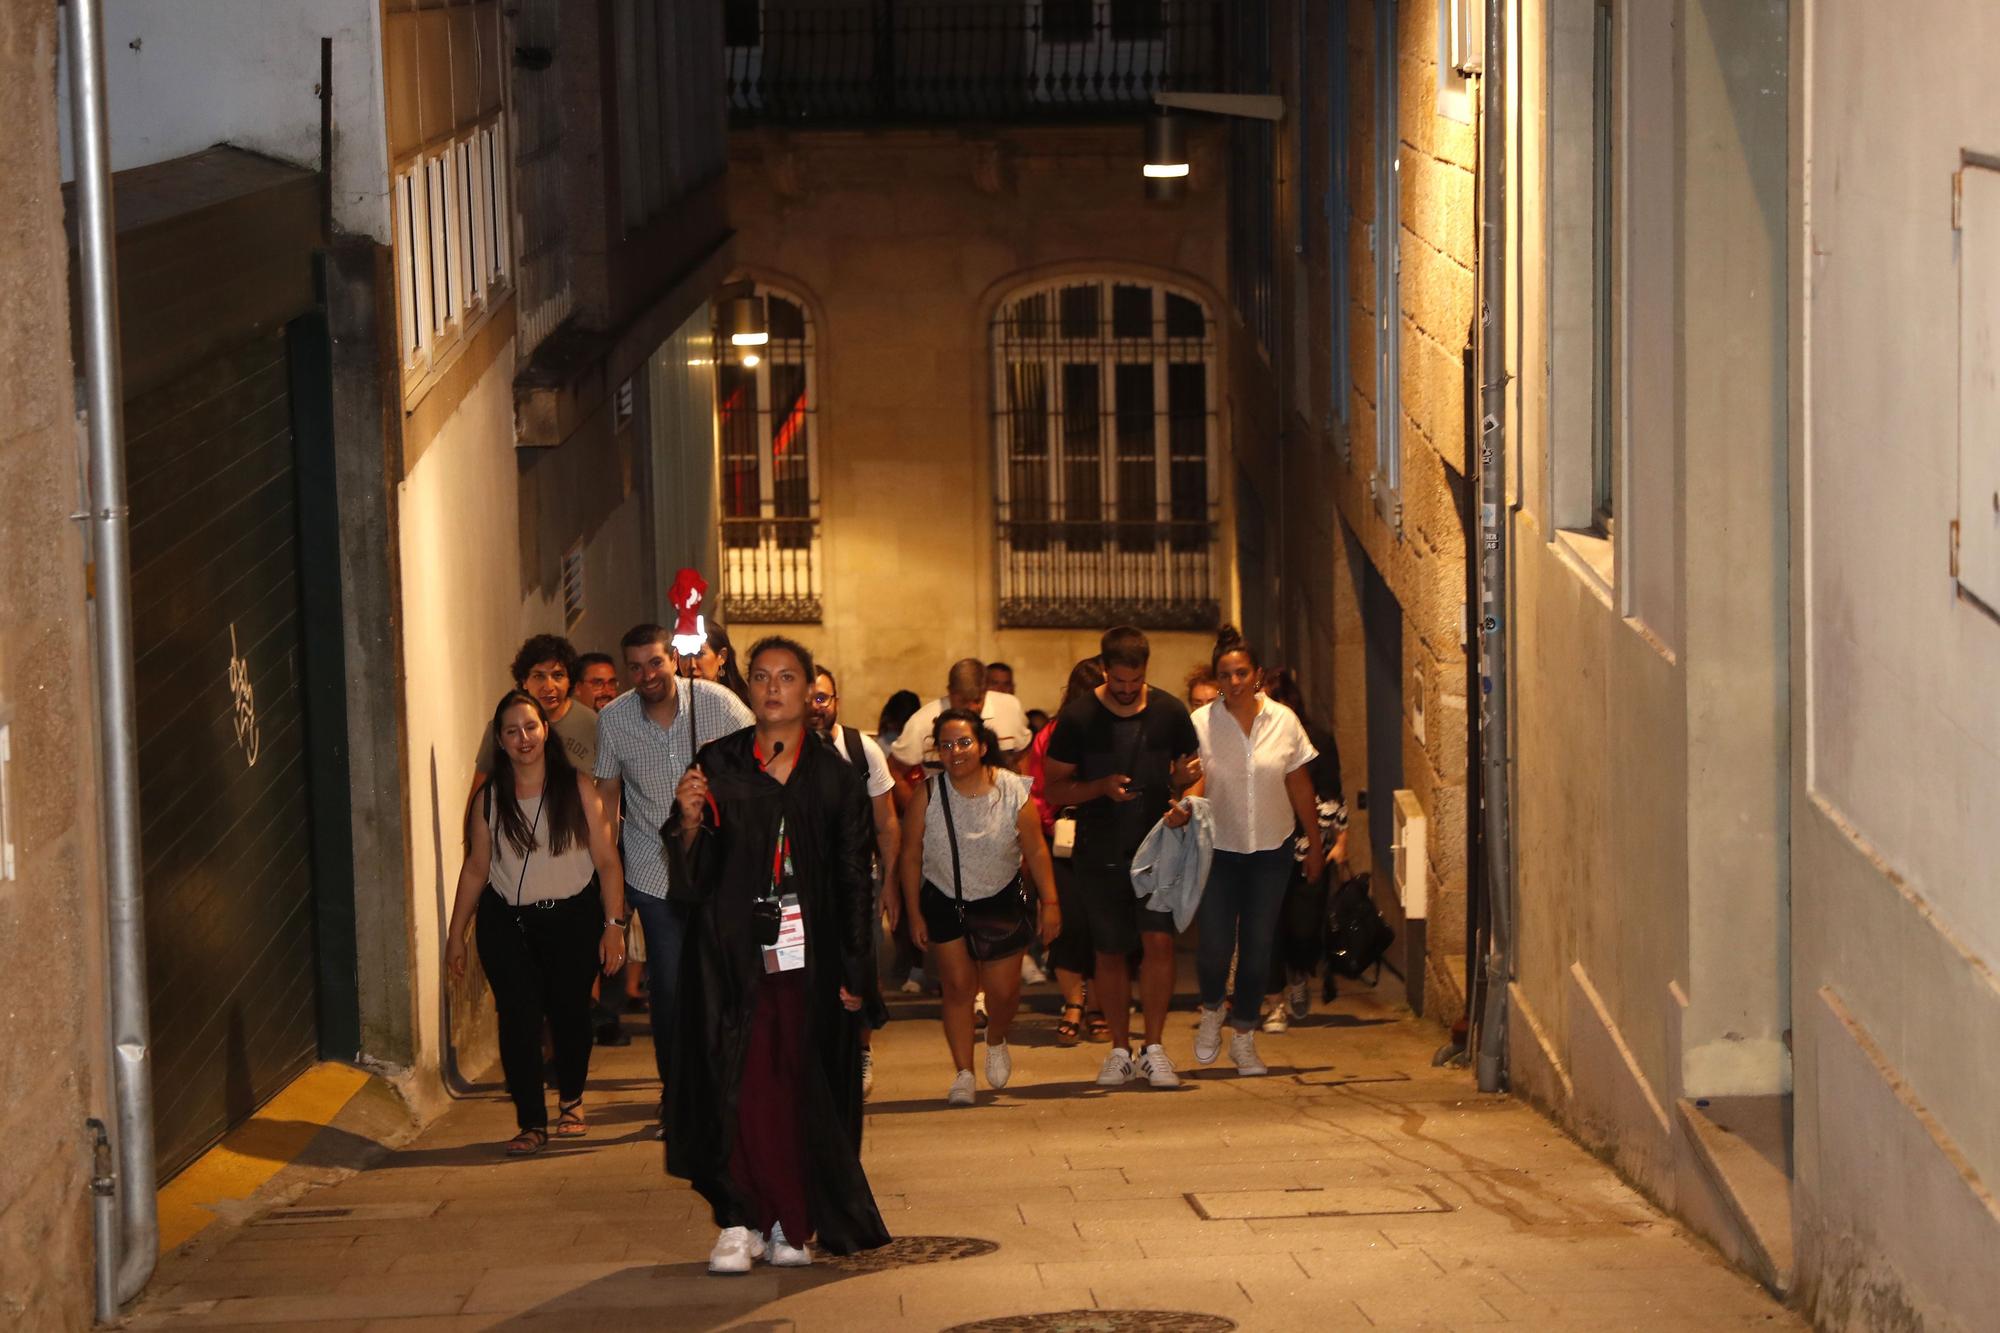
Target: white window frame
x=413, y=281
x=768, y=573
x=452, y=246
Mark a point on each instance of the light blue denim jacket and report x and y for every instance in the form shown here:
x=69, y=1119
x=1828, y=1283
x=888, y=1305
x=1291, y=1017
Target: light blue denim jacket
x=1170, y=869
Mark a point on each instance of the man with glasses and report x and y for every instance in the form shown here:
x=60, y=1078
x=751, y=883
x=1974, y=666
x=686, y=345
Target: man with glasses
x=866, y=756
x=966, y=687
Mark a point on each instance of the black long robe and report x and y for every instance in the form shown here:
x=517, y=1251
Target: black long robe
x=826, y=813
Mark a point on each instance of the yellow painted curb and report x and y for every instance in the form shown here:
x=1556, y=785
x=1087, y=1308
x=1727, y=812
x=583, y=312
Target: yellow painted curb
x=255, y=1150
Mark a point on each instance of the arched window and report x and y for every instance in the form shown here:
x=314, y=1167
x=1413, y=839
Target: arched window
x=770, y=471
x=1104, y=422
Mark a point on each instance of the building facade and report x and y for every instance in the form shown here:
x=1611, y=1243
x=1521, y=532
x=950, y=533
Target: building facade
x=992, y=417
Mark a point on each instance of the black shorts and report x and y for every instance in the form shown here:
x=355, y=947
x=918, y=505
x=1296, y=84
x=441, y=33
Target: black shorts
x=1115, y=916
x=940, y=911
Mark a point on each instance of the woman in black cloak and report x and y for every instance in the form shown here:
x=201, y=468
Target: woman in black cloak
x=764, y=1107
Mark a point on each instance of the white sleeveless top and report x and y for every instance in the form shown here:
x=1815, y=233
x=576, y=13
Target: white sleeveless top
x=989, y=841
x=547, y=876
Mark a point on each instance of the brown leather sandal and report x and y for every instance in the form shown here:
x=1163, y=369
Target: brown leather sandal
x=527, y=1143
x=1068, y=1030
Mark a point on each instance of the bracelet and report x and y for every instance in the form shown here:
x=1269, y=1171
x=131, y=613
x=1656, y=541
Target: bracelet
x=615, y=923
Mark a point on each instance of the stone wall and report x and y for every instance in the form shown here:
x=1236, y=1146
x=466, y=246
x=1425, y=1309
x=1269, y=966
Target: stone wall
x=48, y=975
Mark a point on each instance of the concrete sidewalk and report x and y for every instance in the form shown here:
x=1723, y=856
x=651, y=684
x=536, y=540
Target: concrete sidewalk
x=1354, y=1187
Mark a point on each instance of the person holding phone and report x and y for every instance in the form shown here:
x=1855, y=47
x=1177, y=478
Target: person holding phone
x=970, y=834
x=1254, y=758
x=1123, y=754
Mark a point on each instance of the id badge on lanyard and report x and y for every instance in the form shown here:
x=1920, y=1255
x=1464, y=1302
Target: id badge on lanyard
x=789, y=953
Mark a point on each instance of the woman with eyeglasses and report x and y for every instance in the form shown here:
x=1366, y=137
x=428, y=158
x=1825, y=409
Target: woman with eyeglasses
x=543, y=890
x=969, y=835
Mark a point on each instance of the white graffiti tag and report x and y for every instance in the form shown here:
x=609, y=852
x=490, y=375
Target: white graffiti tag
x=245, y=698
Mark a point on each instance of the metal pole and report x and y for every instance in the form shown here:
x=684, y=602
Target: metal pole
x=1493, y=646
x=135, y=1248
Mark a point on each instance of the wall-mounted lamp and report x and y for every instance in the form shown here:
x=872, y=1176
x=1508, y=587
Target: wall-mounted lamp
x=1166, y=155
x=742, y=325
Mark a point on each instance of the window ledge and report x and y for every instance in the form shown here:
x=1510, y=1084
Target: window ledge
x=1590, y=555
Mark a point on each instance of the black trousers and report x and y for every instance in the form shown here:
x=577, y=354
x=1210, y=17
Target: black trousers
x=539, y=962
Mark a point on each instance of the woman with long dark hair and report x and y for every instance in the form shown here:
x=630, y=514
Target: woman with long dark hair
x=1302, y=919
x=1071, y=953
x=717, y=662
x=543, y=890
x=1254, y=755
x=970, y=835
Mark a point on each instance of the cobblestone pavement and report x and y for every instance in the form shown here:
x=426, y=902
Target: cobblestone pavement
x=1355, y=1187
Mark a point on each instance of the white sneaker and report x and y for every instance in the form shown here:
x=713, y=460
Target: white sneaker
x=1243, y=1053
x=961, y=1090
x=979, y=1011
x=1031, y=971
x=1208, y=1035
x=912, y=986
x=999, y=1064
x=1158, y=1068
x=1298, y=998
x=735, y=1249
x=867, y=1072
x=783, y=1254
x=1116, y=1069
x=1278, y=1019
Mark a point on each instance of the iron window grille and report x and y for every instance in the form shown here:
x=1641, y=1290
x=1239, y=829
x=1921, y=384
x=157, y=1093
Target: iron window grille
x=1104, y=407
x=768, y=414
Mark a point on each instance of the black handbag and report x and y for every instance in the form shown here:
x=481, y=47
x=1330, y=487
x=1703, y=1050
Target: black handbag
x=1356, y=935
x=996, y=926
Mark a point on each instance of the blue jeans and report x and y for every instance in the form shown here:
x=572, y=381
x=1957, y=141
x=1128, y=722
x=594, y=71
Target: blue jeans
x=1239, y=911
x=665, y=927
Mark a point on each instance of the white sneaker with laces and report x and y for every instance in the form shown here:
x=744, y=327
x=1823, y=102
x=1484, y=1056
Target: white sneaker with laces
x=1116, y=1070
x=1243, y=1054
x=999, y=1064
x=961, y=1089
x=783, y=1254
x=1298, y=997
x=735, y=1249
x=1278, y=1019
x=867, y=1072
x=1158, y=1068
x=1208, y=1035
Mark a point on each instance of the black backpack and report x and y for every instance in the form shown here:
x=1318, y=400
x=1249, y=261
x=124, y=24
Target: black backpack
x=1356, y=935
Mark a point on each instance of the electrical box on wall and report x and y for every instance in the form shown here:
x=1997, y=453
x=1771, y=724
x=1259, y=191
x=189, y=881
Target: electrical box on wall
x=1976, y=533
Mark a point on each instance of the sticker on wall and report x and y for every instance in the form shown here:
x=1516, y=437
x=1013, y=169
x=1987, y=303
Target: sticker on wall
x=245, y=700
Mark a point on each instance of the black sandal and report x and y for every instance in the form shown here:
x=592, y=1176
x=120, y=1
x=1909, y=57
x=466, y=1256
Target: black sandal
x=1097, y=1026
x=527, y=1143
x=1069, y=1030
x=569, y=1120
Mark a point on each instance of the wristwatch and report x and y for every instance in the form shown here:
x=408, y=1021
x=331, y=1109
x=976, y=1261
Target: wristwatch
x=617, y=921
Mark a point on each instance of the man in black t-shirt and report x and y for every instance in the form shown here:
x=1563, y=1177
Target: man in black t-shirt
x=1122, y=755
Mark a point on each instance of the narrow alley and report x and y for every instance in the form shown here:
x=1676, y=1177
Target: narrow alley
x=1355, y=1188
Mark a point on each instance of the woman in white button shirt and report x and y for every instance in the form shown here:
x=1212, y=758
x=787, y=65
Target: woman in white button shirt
x=949, y=892
x=1254, y=753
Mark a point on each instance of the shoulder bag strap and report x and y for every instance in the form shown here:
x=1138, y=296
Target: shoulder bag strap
x=951, y=832
x=856, y=755
x=527, y=856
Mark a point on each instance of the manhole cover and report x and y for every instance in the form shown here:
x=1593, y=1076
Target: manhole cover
x=904, y=1251
x=1102, y=1321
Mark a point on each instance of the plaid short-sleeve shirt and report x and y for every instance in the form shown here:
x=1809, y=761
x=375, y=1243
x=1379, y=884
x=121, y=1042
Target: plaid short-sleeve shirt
x=649, y=760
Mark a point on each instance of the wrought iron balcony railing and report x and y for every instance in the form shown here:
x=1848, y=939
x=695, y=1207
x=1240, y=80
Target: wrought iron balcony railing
x=872, y=61
x=770, y=570
x=1065, y=574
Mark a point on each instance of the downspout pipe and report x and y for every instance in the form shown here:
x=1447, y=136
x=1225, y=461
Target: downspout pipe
x=1494, y=752
x=126, y=1252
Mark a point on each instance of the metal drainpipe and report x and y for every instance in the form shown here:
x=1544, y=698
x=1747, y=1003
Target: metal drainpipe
x=1493, y=645
x=130, y=1249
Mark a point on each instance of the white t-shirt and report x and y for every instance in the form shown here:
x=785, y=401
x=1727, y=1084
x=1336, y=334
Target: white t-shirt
x=989, y=838
x=879, y=781
x=1003, y=714
x=1244, y=776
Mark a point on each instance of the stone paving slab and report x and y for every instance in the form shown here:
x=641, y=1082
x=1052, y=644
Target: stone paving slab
x=1356, y=1188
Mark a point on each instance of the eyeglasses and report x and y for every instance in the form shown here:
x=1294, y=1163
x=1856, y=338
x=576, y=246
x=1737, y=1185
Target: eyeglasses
x=958, y=743
x=824, y=699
